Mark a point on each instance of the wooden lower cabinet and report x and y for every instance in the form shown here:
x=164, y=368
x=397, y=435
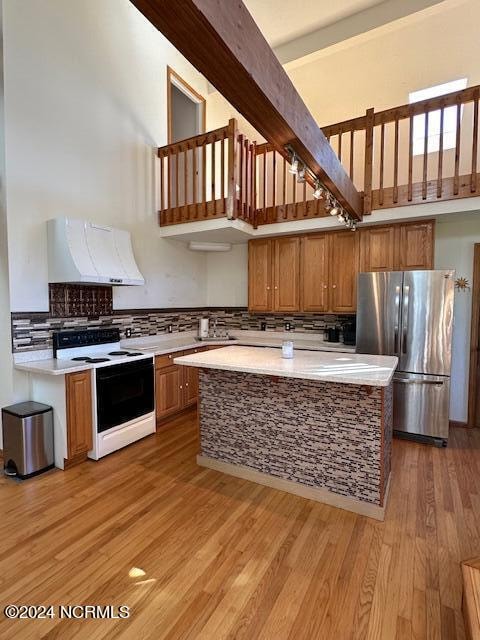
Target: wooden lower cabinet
x=176, y=387
x=168, y=391
x=78, y=388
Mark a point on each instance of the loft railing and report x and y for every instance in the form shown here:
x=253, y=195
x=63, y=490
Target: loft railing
x=421, y=152
x=207, y=176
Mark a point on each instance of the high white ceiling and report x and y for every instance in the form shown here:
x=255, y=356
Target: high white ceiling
x=285, y=20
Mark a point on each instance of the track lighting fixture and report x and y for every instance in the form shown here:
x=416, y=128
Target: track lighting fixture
x=293, y=164
x=301, y=174
x=319, y=190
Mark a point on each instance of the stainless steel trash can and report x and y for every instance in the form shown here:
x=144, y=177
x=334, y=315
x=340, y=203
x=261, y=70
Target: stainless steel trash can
x=27, y=439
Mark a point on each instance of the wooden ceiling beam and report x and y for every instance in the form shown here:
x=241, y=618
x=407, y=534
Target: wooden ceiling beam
x=221, y=39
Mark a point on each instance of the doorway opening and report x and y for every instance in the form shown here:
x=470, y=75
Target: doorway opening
x=186, y=112
x=474, y=374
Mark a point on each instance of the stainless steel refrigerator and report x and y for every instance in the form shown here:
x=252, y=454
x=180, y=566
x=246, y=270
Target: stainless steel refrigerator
x=409, y=314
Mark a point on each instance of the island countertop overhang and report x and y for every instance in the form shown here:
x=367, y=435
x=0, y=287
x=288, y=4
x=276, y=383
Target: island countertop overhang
x=344, y=368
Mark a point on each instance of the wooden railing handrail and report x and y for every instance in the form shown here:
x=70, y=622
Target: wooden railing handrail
x=404, y=111
x=195, y=141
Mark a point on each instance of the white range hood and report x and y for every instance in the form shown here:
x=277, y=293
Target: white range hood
x=83, y=252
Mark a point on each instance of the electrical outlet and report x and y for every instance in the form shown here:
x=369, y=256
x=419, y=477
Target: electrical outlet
x=288, y=326
x=170, y=328
x=128, y=332
x=263, y=326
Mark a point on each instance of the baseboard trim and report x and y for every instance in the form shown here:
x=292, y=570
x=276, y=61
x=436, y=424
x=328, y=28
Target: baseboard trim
x=455, y=424
x=311, y=493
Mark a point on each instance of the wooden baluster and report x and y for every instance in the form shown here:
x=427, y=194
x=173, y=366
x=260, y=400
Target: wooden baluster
x=222, y=169
x=352, y=143
x=395, y=163
x=410, y=159
x=440, y=156
x=204, y=179
x=177, y=201
x=240, y=171
x=425, y=157
x=185, y=176
x=382, y=160
x=284, y=188
x=162, y=183
x=247, y=185
x=232, y=170
x=294, y=195
x=265, y=187
x=369, y=126
x=214, y=177
x=473, y=179
x=274, y=184
x=340, y=146
x=253, y=179
x=195, y=179
x=457, y=150
x=305, y=199
x=169, y=186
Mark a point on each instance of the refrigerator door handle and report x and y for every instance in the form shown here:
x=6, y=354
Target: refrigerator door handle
x=406, y=300
x=410, y=381
x=396, y=346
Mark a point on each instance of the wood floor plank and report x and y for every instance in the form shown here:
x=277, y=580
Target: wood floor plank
x=215, y=557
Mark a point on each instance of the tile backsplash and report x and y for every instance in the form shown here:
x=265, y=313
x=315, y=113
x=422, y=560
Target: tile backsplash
x=31, y=331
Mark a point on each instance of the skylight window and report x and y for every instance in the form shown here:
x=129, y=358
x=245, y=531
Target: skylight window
x=449, y=118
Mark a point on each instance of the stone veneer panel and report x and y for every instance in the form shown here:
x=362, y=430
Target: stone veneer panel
x=32, y=331
x=328, y=435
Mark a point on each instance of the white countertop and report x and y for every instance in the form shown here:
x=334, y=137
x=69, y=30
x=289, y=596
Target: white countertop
x=168, y=343
x=343, y=368
x=43, y=363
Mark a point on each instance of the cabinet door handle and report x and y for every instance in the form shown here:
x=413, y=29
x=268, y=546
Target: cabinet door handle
x=186, y=384
x=325, y=286
x=334, y=286
x=268, y=288
x=276, y=287
x=181, y=387
x=169, y=357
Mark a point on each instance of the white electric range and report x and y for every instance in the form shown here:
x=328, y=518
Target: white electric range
x=123, y=390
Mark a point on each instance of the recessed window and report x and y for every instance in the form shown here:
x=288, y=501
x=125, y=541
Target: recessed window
x=449, y=118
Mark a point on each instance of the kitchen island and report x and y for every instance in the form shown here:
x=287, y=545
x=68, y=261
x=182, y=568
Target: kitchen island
x=318, y=425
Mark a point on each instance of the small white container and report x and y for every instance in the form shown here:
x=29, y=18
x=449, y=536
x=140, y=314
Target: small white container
x=203, y=327
x=287, y=349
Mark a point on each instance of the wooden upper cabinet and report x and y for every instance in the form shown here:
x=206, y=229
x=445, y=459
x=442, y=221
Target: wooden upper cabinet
x=344, y=250
x=78, y=388
x=377, y=249
x=260, y=259
x=287, y=274
x=415, y=245
x=314, y=273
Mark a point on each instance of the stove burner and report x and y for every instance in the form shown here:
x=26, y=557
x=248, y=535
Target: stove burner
x=89, y=359
x=134, y=354
x=119, y=353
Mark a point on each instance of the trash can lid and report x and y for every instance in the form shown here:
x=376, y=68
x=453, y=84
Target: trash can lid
x=26, y=409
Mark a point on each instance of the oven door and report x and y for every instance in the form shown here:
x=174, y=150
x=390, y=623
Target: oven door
x=124, y=392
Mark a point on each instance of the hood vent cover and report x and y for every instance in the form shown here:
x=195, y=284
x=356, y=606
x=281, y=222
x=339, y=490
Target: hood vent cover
x=82, y=252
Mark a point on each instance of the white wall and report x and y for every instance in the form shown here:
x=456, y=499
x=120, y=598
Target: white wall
x=227, y=277
x=454, y=244
x=85, y=86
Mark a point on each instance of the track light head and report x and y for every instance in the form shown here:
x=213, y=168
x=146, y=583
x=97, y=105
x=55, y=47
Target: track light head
x=293, y=164
x=319, y=190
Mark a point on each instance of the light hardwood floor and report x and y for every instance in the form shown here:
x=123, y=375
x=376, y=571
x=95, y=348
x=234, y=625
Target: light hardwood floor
x=225, y=558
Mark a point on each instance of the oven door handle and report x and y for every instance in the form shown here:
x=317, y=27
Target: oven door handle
x=112, y=376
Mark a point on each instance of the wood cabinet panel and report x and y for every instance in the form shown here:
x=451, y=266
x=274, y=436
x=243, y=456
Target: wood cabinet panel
x=377, y=249
x=287, y=274
x=168, y=391
x=260, y=261
x=314, y=273
x=415, y=246
x=344, y=247
x=190, y=386
x=78, y=387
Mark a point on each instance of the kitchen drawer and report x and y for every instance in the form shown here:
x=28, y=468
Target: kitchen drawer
x=166, y=360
